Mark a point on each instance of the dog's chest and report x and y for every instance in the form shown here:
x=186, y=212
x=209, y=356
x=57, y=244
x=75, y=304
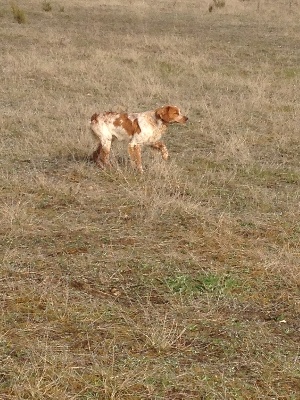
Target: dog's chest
x=157, y=133
x=151, y=130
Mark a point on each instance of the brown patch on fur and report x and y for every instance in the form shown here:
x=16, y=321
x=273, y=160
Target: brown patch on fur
x=136, y=126
x=109, y=113
x=94, y=118
x=131, y=127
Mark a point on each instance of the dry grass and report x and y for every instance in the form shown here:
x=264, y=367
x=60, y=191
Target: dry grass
x=18, y=14
x=179, y=284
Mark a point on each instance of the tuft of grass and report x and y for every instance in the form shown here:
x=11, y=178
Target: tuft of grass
x=163, y=335
x=46, y=6
x=219, y=3
x=18, y=14
x=216, y=4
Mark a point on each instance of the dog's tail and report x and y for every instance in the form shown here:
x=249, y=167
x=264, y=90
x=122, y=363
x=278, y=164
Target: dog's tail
x=94, y=119
x=94, y=127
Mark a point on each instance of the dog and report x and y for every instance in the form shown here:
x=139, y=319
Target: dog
x=137, y=129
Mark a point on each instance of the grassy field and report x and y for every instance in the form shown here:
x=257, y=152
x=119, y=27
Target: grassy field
x=179, y=284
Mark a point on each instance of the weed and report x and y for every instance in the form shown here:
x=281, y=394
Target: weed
x=46, y=6
x=163, y=335
x=217, y=4
x=18, y=14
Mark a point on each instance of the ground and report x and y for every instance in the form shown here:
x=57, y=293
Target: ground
x=182, y=283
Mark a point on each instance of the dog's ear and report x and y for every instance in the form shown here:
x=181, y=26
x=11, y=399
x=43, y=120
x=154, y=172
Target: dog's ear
x=163, y=113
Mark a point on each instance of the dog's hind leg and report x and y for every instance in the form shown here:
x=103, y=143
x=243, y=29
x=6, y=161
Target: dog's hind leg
x=101, y=155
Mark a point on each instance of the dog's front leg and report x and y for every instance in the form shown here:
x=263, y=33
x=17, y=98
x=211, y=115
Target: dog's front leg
x=160, y=146
x=136, y=156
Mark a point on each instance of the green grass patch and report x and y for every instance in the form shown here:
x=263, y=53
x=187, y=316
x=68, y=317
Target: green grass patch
x=210, y=283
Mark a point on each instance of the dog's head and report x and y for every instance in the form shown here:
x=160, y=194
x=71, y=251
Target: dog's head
x=169, y=114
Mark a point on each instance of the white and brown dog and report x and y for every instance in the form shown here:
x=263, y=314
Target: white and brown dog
x=144, y=128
